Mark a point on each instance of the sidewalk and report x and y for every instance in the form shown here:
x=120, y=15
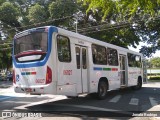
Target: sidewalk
x=152, y=84
x=6, y=84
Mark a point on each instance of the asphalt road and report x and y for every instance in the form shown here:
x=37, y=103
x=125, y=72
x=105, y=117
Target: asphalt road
x=133, y=104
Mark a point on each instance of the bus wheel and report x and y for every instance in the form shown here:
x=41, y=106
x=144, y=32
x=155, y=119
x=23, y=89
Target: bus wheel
x=139, y=84
x=102, y=90
x=72, y=97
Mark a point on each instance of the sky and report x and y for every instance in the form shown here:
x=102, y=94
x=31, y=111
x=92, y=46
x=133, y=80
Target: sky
x=157, y=54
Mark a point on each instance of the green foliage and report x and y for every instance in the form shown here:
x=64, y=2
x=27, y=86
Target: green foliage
x=37, y=14
x=139, y=20
x=124, y=9
x=104, y=7
x=9, y=19
x=61, y=9
x=155, y=62
x=9, y=13
x=5, y=56
x=121, y=37
x=2, y=1
x=142, y=15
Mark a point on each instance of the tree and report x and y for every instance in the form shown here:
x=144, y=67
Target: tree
x=37, y=14
x=118, y=22
x=155, y=62
x=62, y=9
x=142, y=15
x=124, y=9
x=150, y=34
x=9, y=15
x=5, y=56
x=9, y=20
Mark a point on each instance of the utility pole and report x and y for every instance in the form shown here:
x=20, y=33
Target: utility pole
x=76, y=24
x=76, y=18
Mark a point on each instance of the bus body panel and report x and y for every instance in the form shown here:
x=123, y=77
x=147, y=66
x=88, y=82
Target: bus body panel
x=111, y=73
x=133, y=74
x=33, y=83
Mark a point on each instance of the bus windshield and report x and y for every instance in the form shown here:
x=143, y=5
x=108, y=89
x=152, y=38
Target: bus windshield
x=36, y=41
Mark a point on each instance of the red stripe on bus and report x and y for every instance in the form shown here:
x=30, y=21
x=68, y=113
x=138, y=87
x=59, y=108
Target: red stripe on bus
x=33, y=73
x=114, y=69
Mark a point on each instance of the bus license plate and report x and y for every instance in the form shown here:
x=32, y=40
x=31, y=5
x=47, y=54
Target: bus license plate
x=28, y=89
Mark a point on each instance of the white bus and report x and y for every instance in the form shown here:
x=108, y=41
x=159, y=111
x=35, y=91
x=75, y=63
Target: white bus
x=51, y=60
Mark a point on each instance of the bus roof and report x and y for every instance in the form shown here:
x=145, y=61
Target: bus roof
x=81, y=37
x=92, y=40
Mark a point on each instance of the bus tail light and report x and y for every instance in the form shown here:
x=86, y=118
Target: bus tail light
x=14, y=77
x=48, y=75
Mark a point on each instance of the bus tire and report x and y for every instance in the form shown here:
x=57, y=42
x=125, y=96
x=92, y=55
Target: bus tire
x=102, y=90
x=139, y=84
x=35, y=94
x=72, y=97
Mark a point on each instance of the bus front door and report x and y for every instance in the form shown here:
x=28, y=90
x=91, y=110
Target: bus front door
x=123, y=69
x=81, y=69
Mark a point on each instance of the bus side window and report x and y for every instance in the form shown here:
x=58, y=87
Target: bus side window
x=132, y=62
x=63, y=49
x=99, y=55
x=112, y=56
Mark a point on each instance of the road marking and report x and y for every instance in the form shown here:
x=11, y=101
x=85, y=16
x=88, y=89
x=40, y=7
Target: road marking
x=134, y=101
x=115, y=99
x=18, y=102
x=153, y=101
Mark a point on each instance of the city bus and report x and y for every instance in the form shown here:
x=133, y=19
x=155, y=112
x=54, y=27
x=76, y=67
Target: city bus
x=52, y=60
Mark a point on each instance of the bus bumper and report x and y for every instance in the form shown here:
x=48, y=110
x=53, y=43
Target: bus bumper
x=45, y=89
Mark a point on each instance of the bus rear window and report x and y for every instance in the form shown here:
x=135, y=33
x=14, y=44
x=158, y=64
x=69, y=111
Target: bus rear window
x=36, y=41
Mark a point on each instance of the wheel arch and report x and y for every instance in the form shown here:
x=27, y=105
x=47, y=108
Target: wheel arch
x=139, y=78
x=105, y=80
x=139, y=83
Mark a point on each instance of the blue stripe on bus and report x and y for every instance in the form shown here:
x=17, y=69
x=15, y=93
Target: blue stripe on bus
x=97, y=68
x=23, y=73
x=37, y=63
